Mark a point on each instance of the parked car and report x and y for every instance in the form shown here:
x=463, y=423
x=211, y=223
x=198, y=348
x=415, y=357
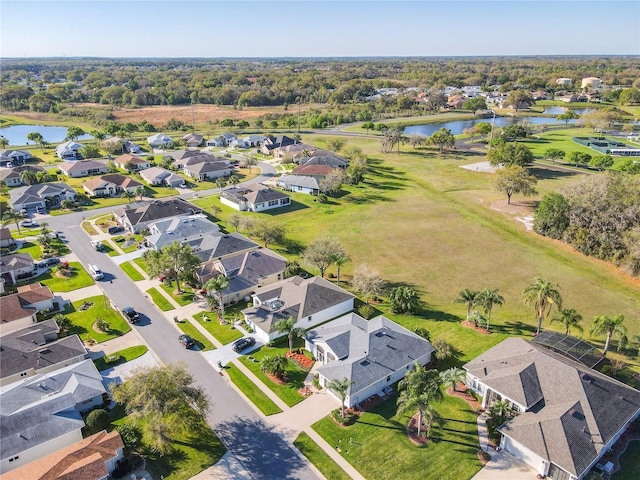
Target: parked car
x=130, y=314
x=50, y=262
x=97, y=244
x=243, y=343
x=186, y=341
x=115, y=229
x=27, y=222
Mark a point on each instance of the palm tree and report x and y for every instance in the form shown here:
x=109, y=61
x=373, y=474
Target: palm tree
x=274, y=365
x=98, y=136
x=4, y=143
x=500, y=409
x=418, y=389
x=64, y=324
x=604, y=325
x=13, y=216
x=221, y=183
x=452, y=376
x=29, y=177
x=128, y=195
x=140, y=191
x=477, y=318
x=339, y=259
x=341, y=387
x=469, y=298
x=569, y=318
x=544, y=295
x=234, y=180
x=288, y=326
x=217, y=285
x=487, y=299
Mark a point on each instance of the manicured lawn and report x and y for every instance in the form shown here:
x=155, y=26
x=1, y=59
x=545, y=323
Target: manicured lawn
x=24, y=232
x=32, y=249
x=105, y=221
x=319, y=458
x=83, y=320
x=109, y=249
x=159, y=300
x=223, y=333
x=288, y=392
x=252, y=392
x=130, y=270
x=183, y=298
x=79, y=278
x=201, y=341
x=142, y=264
x=119, y=357
x=629, y=463
x=89, y=228
x=121, y=241
x=378, y=447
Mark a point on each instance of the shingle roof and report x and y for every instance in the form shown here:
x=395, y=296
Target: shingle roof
x=37, y=192
x=135, y=160
x=324, y=160
x=205, y=167
x=180, y=229
x=5, y=234
x=159, y=209
x=14, y=261
x=95, y=184
x=301, y=180
x=121, y=180
x=80, y=165
x=248, y=269
x=254, y=194
x=312, y=170
x=212, y=247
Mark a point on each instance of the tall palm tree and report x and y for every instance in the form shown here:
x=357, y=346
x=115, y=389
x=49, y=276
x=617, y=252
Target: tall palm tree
x=569, y=318
x=288, y=326
x=29, y=177
x=452, y=376
x=140, y=191
x=469, y=298
x=64, y=324
x=128, y=195
x=487, y=299
x=13, y=216
x=604, y=325
x=341, y=387
x=339, y=259
x=274, y=365
x=418, y=389
x=98, y=136
x=544, y=295
x=217, y=285
x=234, y=180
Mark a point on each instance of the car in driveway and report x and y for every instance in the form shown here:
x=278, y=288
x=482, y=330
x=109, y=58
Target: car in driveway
x=243, y=343
x=130, y=314
x=186, y=341
x=50, y=262
x=112, y=230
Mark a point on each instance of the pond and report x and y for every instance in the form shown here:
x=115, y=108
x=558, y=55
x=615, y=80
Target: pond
x=17, y=134
x=458, y=127
x=556, y=110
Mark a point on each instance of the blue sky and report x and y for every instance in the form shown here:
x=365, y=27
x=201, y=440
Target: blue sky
x=131, y=28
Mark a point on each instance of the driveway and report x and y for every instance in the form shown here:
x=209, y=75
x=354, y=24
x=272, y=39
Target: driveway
x=504, y=466
x=226, y=354
x=119, y=373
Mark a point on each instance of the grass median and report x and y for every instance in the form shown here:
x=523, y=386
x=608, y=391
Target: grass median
x=130, y=270
x=319, y=458
x=252, y=391
x=162, y=303
x=201, y=341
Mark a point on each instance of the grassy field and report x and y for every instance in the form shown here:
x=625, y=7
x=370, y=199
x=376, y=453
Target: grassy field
x=79, y=278
x=223, y=333
x=119, y=357
x=319, y=458
x=130, y=270
x=162, y=303
x=182, y=299
x=629, y=463
x=202, y=342
x=378, y=447
x=83, y=320
x=251, y=391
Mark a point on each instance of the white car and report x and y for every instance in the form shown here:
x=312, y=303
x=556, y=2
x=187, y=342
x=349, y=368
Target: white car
x=26, y=223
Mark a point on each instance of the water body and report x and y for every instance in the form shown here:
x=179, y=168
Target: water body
x=555, y=110
x=459, y=126
x=17, y=134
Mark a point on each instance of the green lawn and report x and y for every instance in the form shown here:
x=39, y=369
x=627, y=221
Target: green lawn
x=89, y=228
x=130, y=270
x=201, y=341
x=159, y=300
x=378, y=447
x=629, y=463
x=119, y=357
x=24, y=232
x=32, y=249
x=319, y=458
x=251, y=390
x=182, y=299
x=109, y=249
x=223, y=333
x=79, y=279
x=83, y=320
x=121, y=240
x=142, y=264
x=288, y=392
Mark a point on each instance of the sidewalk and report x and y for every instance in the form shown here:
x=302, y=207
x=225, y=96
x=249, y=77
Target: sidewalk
x=336, y=457
x=80, y=293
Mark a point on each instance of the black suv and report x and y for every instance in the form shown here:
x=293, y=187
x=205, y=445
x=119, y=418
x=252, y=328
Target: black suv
x=243, y=343
x=186, y=341
x=131, y=314
x=115, y=229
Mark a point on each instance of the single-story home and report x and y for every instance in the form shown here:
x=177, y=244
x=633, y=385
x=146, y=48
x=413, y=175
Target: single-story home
x=36, y=349
x=254, y=140
x=331, y=160
x=308, y=301
x=213, y=247
x=161, y=176
x=139, y=218
x=294, y=151
x=159, y=140
x=19, y=310
x=188, y=157
x=221, y=140
x=83, y=168
x=254, y=198
x=14, y=265
x=112, y=184
x=6, y=239
x=182, y=229
x=566, y=415
x=193, y=140
x=122, y=182
x=43, y=195
x=271, y=143
x=207, y=170
x=215, y=142
x=13, y=176
x=228, y=138
x=15, y=157
x=42, y=414
x=316, y=171
x=68, y=150
x=131, y=162
x=239, y=143
x=373, y=354
x=299, y=183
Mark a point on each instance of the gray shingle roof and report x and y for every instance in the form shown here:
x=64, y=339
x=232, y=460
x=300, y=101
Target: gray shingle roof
x=301, y=180
x=206, y=167
x=180, y=230
x=247, y=270
x=37, y=192
x=159, y=209
x=15, y=261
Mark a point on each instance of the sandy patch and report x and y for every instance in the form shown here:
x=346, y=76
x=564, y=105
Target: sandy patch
x=484, y=167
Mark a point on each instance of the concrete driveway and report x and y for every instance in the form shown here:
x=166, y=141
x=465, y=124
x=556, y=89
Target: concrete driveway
x=119, y=373
x=226, y=354
x=504, y=466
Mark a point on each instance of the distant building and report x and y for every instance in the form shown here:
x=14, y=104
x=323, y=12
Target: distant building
x=564, y=81
x=591, y=82
x=254, y=198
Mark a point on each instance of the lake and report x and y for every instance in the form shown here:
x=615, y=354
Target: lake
x=17, y=134
x=560, y=110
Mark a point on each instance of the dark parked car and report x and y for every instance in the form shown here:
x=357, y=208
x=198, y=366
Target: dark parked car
x=50, y=262
x=115, y=229
x=186, y=341
x=131, y=314
x=243, y=343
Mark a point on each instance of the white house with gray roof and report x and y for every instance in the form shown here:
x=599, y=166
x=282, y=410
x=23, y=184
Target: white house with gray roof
x=33, y=196
x=309, y=302
x=15, y=157
x=373, y=354
x=567, y=416
x=254, y=198
x=68, y=150
x=300, y=184
x=179, y=229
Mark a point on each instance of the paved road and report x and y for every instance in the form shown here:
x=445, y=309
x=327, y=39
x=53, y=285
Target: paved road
x=260, y=449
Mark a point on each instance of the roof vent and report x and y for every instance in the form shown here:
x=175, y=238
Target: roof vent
x=364, y=363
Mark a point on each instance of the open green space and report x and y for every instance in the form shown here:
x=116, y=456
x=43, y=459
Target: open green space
x=629, y=463
x=202, y=342
x=319, y=458
x=79, y=278
x=223, y=333
x=142, y=264
x=121, y=356
x=378, y=447
x=162, y=303
x=251, y=391
x=24, y=232
x=83, y=319
x=184, y=298
x=132, y=271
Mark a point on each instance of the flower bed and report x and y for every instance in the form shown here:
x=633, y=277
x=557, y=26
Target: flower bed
x=412, y=432
x=472, y=325
x=463, y=393
x=302, y=360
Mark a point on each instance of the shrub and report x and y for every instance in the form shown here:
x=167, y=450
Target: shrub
x=349, y=417
x=366, y=311
x=423, y=332
x=322, y=198
x=97, y=420
x=131, y=435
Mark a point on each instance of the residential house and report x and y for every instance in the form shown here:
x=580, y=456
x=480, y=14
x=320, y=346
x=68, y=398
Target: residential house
x=19, y=309
x=373, y=354
x=159, y=140
x=139, y=218
x=207, y=170
x=179, y=229
x=93, y=458
x=254, y=198
x=299, y=183
x=227, y=138
x=13, y=176
x=160, y=176
x=331, y=160
x=83, y=168
x=254, y=140
x=193, y=140
x=98, y=187
x=295, y=151
x=43, y=195
x=35, y=350
x=68, y=150
x=308, y=301
x=567, y=415
x=214, y=247
x=16, y=265
x=111, y=184
x=239, y=143
x=15, y=157
x=316, y=171
x=541, y=95
x=117, y=143
x=215, y=142
x=131, y=162
x=42, y=414
x=271, y=143
x=571, y=97
x=189, y=157
x=456, y=101
x=6, y=239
